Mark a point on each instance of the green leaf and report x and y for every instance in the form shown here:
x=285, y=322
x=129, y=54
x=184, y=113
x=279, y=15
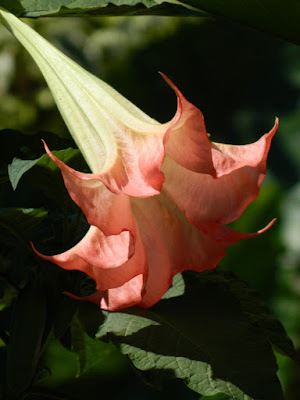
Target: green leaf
x=18, y=168
x=252, y=305
x=17, y=229
x=46, y=177
x=7, y=294
x=271, y=16
x=20, y=221
x=35, y=9
x=177, y=288
x=25, y=340
x=203, y=338
x=95, y=357
x=220, y=396
x=14, y=6
x=60, y=366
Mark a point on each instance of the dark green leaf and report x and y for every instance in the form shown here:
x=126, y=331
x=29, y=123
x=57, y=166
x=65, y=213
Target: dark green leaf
x=63, y=315
x=60, y=366
x=95, y=357
x=25, y=340
x=7, y=294
x=271, y=16
x=203, y=338
x=17, y=228
x=255, y=309
x=19, y=222
x=14, y=6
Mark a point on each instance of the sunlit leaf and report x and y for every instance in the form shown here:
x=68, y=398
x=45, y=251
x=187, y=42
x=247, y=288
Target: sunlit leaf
x=203, y=338
x=17, y=168
x=39, y=8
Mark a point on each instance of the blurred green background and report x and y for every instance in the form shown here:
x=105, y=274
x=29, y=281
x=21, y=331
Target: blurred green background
x=240, y=79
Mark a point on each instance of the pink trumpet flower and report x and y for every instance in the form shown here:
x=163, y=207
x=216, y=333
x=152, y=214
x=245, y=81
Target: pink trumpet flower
x=159, y=195
x=138, y=239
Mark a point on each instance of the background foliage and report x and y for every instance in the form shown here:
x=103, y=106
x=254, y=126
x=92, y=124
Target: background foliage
x=240, y=79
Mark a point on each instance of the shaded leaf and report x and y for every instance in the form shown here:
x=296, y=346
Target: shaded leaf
x=25, y=340
x=14, y=143
x=271, y=16
x=17, y=227
x=21, y=221
x=60, y=366
x=14, y=6
x=63, y=315
x=95, y=357
x=203, y=338
x=7, y=294
x=252, y=305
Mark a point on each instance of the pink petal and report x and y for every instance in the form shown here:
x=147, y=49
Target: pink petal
x=159, y=276
x=188, y=143
x=137, y=168
x=228, y=158
x=205, y=199
x=109, y=212
x=127, y=295
x=228, y=236
x=172, y=244
x=119, y=269
x=108, y=260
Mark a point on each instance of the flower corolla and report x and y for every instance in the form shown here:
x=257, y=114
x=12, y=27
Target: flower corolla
x=159, y=196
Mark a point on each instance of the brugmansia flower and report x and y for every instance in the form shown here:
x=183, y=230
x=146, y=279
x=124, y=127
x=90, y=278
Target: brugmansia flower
x=159, y=195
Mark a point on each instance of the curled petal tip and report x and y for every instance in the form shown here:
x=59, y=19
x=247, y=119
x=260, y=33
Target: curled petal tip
x=35, y=250
x=267, y=226
x=168, y=80
x=48, y=151
x=45, y=145
x=171, y=84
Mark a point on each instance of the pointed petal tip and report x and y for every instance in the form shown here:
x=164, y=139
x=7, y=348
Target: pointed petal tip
x=168, y=80
x=42, y=256
x=267, y=226
x=50, y=154
x=35, y=250
x=175, y=88
x=94, y=297
x=48, y=151
x=273, y=130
